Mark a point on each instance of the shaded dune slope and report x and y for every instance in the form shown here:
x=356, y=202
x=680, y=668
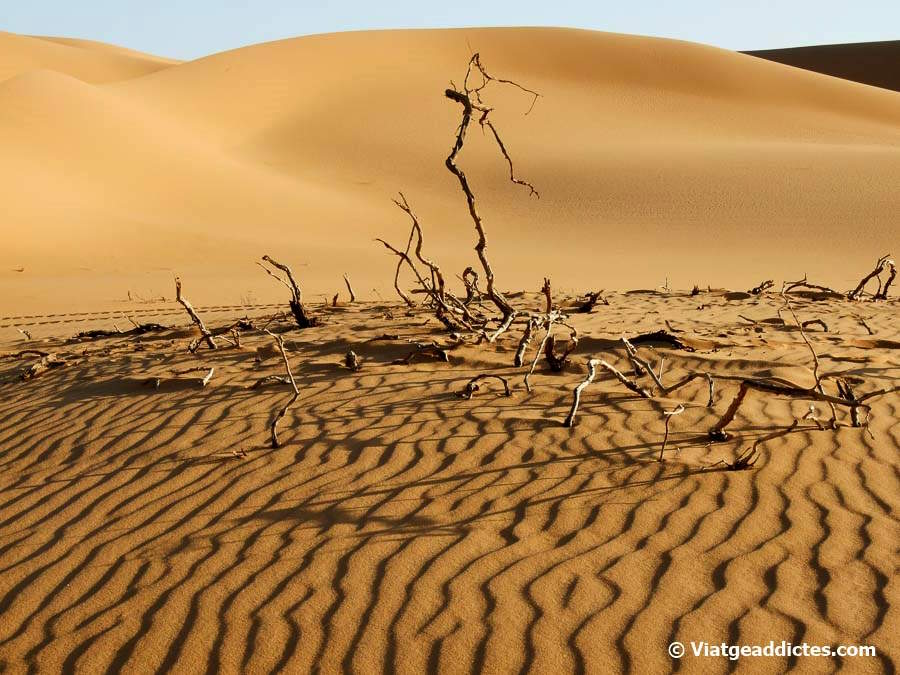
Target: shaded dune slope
x=874, y=63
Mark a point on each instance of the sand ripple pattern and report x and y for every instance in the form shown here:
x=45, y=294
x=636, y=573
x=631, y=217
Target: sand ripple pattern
x=401, y=529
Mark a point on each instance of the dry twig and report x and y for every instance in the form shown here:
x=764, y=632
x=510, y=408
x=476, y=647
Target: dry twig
x=472, y=385
x=283, y=411
x=189, y=308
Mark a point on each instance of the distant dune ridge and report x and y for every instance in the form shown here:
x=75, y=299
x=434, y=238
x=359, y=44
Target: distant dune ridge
x=655, y=159
x=875, y=63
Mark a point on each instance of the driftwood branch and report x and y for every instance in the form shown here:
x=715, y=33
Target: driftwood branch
x=351, y=361
x=472, y=385
x=660, y=336
x=883, y=262
x=548, y=296
x=430, y=350
x=470, y=280
x=189, y=308
x=271, y=379
x=718, y=433
x=764, y=286
x=576, y=394
x=791, y=286
x=283, y=411
x=557, y=362
x=519, y=359
x=303, y=319
x=669, y=414
x=349, y=288
x=628, y=383
x=591, y=299
x=46, y=363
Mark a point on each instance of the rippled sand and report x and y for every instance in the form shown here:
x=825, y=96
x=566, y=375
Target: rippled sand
x=402, y=528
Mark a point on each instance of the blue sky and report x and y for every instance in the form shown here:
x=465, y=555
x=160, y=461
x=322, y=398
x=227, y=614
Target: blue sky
x=192, y=28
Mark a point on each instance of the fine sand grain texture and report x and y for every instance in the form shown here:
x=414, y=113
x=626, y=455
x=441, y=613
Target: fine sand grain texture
x=654, y=158
x=401, y=528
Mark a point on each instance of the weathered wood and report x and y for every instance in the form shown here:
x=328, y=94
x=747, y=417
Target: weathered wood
x=660, y=336
x=189, y=308
x=46, y=363
x=592, y=298
x=764, y=286
x=880, y=294
x=470, y=100
x=668, y=415
x=519, y=359
x=576, y=394
x=430, y=350
x=628, y=383
x=349, y=288
x=301, y=317
x=283, y=411
x=472, y=385
x=351, y=361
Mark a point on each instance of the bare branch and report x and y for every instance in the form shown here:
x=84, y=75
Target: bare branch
x=287, y=366
x=349, y=288
x=669, y=414
x=189, y=308
x=296, y=302
x=576, y=399
x=472, y=385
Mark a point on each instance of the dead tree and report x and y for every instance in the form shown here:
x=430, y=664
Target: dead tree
x=591, y=299
x=519, y=359
x=431, y=350
x=668, y=415
x=628, y=383
x=351, y=361
x=557, y=362
x=576, y=394
x=764, y=286
x=303, y=319
x=450, y=310
x=778, y=388
x=46, y=363
x=283, y=411
x=592, y=373
x=791, y=286
x=545, y=289
x=661, y=336
x=349, y=288
x=469, y=98
x=470, y=280
x=883, y=262
x=472, y=385
x=189, y=308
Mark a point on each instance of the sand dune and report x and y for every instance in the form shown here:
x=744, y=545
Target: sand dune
x=93, y=62
x=872, y=63
x=146, y=523
x=638, y=146
x=402, y=529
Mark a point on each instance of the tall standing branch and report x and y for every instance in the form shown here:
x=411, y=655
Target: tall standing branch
x=470, y=100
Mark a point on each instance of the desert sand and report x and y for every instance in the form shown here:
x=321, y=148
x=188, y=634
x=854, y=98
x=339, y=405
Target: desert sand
x=637, y=147
x=148, y=524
